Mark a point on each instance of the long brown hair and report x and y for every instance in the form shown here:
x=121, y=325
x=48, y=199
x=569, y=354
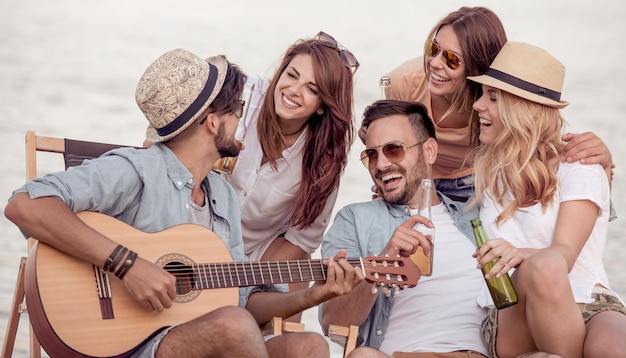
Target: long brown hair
x=481, y=35
x=330, y=134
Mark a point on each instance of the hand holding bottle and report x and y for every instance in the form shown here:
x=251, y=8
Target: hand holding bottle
x=421, y=259
x=500, y=287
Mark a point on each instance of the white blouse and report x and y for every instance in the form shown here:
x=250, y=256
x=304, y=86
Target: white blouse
x=267, y=196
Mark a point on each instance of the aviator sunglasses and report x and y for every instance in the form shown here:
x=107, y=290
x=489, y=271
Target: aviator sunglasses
x=450, y=58
x=347, y=58
x=392, y=151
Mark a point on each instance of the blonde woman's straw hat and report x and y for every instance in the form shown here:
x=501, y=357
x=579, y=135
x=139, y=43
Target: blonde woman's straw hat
x=176, y=89
x=526, y=71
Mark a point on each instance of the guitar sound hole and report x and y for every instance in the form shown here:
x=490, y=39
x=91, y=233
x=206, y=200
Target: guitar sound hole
x=185, y=281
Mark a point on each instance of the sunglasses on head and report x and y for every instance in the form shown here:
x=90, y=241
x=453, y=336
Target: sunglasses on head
x=392, y=151
x=450, y=58
x=347, y=58
x=238, y=111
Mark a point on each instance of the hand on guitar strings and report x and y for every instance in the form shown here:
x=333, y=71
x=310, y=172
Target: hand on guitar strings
x=341, y=277
x=151, y=286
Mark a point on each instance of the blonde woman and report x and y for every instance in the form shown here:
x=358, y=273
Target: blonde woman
x=547, y=219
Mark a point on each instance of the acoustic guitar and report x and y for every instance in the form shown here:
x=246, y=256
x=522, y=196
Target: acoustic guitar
x=77, y=311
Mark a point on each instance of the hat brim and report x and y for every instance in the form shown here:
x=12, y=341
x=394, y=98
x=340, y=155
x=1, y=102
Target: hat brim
x=221, y=64
x=496, y=83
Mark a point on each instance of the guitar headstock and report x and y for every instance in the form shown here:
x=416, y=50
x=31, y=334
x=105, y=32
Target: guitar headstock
x=391, y=272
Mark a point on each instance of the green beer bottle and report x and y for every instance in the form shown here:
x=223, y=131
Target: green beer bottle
x=501, y=288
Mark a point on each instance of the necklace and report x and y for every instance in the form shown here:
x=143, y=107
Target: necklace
x=296, y=132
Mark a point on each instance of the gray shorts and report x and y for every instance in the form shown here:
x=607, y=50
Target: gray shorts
x=604, y=300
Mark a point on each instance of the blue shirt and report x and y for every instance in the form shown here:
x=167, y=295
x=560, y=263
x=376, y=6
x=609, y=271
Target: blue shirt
x=363, y=229
x=149, y=189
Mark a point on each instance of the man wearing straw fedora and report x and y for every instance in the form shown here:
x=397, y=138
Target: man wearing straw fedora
x=194, y=107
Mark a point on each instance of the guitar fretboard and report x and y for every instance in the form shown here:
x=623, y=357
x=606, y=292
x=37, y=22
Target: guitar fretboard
x=239, y=274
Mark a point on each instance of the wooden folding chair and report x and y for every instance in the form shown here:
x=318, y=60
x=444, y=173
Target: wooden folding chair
x=74, y=152
x=344, y=336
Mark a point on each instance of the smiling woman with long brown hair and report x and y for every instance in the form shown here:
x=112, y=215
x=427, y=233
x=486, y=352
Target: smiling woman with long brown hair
x=299, y=131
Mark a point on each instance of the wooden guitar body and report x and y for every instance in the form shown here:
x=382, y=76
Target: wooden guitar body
x=63, y=301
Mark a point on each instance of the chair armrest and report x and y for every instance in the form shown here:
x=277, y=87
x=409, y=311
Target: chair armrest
x=277, y=326
x=344, y=336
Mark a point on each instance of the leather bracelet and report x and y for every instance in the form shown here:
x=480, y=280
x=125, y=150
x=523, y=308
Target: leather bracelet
x=128, y=263
x=109, y=260
x=118, y=259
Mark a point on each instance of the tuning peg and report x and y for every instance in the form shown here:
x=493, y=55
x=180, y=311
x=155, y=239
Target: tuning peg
x=386, y=291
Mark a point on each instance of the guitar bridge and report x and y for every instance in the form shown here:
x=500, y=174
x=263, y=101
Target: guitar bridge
x=103, y=287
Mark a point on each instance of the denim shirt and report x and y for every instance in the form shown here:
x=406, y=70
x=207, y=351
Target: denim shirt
x=363, y=229
x=149, y=189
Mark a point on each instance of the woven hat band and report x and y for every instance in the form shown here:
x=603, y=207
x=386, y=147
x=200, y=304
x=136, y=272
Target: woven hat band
x=526, y=86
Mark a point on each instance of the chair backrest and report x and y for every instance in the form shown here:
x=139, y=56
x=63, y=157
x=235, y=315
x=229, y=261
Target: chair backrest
x=74, y=151
x=36, y=144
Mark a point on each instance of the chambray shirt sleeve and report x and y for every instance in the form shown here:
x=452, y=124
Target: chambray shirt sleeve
x=343, y=234
x=109, y=184
x=352, y=232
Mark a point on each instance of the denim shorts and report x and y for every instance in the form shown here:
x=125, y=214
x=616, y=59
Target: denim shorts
x=459, y=189
x=604, y=300
x=149, y=347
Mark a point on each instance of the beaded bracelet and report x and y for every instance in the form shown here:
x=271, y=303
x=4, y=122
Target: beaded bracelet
x=128, y=263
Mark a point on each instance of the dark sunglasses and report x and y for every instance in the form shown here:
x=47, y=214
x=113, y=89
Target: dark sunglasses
x=450, y=58
x=238, y=112
x=392, y=151
x=347, y=58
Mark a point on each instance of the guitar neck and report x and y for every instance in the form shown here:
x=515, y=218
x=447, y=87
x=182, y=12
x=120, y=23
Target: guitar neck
x=239, y=274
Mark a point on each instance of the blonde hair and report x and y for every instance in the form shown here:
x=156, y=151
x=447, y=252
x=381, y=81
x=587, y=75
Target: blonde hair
x=519, y=168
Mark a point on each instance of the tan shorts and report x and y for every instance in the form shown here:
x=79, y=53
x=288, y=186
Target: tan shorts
x=457, y=354
x=603, y=301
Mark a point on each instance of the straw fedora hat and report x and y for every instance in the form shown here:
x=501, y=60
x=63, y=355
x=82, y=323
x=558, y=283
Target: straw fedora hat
x=177, y=88
x=528, y=72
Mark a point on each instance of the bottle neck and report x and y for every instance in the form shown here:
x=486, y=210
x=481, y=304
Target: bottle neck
x=479, y=232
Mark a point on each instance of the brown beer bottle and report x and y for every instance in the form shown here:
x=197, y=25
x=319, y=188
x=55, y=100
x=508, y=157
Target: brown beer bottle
x=501, y=288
